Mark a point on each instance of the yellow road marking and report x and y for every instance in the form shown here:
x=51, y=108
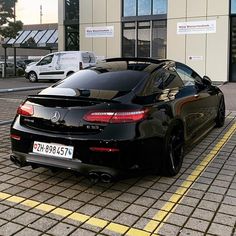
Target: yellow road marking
x=164, y=213
x=157, y=221
x=118, y=228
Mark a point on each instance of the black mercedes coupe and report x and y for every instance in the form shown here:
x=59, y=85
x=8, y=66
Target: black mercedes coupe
x=124, y=114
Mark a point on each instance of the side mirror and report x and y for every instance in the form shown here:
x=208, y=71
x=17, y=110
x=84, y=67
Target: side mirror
x=206, y=80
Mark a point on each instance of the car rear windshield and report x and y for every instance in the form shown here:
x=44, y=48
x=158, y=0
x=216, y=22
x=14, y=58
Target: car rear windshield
x=103, y=80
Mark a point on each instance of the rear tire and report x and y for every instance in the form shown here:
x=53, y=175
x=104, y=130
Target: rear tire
x=173, y=151
x=220, y=119
x=32, y=77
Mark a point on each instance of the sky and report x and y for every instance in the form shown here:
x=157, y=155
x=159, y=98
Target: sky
x=28, y=11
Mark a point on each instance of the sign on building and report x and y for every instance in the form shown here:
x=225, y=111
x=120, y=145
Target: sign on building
x=196, y=27
x=99, y=32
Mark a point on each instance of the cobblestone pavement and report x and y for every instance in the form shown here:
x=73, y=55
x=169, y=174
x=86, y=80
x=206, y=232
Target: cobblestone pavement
x=201, y=200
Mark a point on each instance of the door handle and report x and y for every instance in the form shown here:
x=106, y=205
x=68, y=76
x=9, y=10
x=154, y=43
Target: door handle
x=196, y=95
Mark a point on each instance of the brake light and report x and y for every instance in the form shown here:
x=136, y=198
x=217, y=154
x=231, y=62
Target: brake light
x=25, y=110
x=104, y=149
x=116, y=116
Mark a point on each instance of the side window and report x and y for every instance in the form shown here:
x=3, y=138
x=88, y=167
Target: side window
x=88, y=58
x=188, y=76
x=172, y=80
x=164, y=79
x=45, y=61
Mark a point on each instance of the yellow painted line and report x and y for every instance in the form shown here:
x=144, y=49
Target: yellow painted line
x=97, y=222
x=114, y=227
x=78, y=217
x=163, y=214
x=61, y=212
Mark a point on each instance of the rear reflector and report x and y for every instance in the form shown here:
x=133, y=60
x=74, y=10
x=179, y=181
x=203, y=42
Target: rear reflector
x=25, y=110
x=16, y=137
x=104, y=149
x=116, y=116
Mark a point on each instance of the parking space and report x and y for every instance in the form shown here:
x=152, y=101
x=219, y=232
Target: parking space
x=201, y=200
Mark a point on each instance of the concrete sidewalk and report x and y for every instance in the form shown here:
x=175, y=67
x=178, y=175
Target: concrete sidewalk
x=229, y=90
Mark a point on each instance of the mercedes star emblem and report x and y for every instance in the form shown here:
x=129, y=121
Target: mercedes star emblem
x=56, y=117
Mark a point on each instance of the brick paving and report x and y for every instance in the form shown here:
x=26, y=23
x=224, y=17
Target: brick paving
x=208, y=207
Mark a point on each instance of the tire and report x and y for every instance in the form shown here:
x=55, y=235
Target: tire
x=32, y=77
x=173, y=151
x=220, y=119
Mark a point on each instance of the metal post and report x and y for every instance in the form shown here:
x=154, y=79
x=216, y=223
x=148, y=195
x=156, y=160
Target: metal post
x=14, y=61
x=3, y=70
x=14, y=47
x=5, y=63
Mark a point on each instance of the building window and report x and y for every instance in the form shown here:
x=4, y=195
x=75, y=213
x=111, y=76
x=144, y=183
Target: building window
x=159, y=36
x=143, y=39
x=129, y=39
x=159, y=7
x=144, y=28
x=144, y=7
x=72, y=37
x=71, y=10
x=71, y=25
x=129, y=8
x=233, y=6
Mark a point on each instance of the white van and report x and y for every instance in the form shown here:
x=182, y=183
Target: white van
x=59, y=65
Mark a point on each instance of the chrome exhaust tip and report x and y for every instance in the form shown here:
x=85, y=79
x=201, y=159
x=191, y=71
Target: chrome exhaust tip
x=93, y=177
x=106, y=178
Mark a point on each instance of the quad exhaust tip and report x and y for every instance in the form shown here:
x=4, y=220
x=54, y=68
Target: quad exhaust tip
x=94, y=177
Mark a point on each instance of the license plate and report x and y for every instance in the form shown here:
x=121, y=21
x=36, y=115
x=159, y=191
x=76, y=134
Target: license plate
x=53, y=149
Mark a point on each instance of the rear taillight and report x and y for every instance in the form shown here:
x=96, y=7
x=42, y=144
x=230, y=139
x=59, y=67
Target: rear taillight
x=16, y=137
x=116, y=116
x=25, y=110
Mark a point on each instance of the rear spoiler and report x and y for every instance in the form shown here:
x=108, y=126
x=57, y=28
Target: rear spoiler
x=70, y=98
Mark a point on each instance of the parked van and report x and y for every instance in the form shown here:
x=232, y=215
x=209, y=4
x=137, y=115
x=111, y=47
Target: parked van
x=59, y=65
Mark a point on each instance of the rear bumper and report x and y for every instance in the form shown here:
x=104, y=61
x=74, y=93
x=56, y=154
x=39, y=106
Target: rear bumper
x=22, y=159
x=133, y=150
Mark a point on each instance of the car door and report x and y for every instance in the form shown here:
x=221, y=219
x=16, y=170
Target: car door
x=197, y=107
x=45, y=67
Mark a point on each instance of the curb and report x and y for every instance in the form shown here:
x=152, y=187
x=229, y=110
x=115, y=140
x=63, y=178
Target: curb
x=7, y=122
x=21, y=89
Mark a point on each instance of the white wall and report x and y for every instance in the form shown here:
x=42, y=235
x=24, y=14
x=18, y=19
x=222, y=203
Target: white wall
x=211, y=50
x=109, y=14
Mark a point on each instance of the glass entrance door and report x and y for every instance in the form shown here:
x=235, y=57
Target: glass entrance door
x=233, y=50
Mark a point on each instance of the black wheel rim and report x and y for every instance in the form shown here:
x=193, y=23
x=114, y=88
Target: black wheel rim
x=221, y=111
x=176, y=150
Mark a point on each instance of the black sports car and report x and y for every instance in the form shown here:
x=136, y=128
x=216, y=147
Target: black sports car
x=123, y=114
